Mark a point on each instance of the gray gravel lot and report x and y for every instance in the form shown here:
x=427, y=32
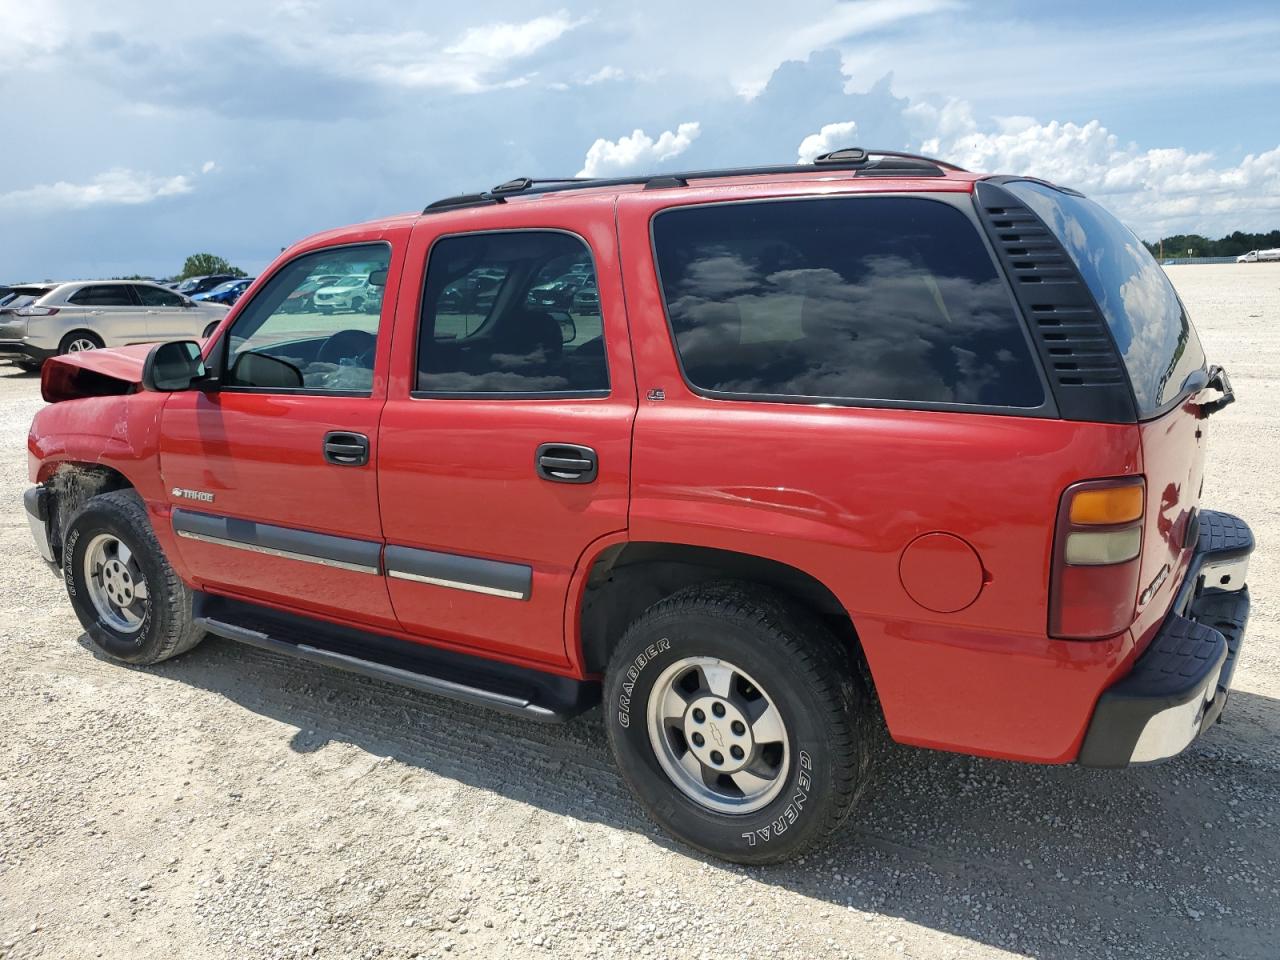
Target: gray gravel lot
x=232, y=804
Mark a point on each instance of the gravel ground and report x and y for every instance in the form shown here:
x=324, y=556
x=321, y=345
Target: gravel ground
x=234, y=804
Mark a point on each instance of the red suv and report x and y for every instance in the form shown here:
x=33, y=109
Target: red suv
x=870, y=438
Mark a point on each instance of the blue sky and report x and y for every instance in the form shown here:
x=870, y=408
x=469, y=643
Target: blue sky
x=143, y=131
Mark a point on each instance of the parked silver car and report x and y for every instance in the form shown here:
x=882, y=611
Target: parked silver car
x=87, y=315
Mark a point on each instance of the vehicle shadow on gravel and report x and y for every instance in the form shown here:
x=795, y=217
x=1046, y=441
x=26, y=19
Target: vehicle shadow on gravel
x=1178, y=859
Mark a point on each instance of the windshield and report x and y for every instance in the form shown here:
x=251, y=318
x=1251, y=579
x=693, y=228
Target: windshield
x=1149, y=323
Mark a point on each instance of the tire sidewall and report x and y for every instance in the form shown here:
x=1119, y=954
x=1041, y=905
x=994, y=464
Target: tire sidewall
x=793, y=819
x=96, y=518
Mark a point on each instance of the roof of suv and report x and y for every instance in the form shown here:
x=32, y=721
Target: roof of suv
x=854, y=160
x=853, y=168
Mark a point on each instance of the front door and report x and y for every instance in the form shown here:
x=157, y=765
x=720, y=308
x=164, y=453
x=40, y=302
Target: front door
x=505, y=442
x=272, y=471
x=168, y=315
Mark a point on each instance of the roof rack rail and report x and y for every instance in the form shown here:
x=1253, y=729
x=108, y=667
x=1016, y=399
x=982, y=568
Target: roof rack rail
x=463, y=200
x=856, y=159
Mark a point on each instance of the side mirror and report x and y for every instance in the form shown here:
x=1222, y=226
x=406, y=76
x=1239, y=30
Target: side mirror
x=172, y=366
x=568, y=329
x=264, y=370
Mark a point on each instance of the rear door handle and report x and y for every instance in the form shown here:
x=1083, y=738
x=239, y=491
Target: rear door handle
x=566, y=463
x=346, y=449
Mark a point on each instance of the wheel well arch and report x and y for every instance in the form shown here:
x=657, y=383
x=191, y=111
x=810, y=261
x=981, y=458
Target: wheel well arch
x=81, y=331
x=627, y=578
x=71, y=483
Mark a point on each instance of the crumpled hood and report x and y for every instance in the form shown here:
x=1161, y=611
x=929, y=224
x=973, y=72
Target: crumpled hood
x=93, y=373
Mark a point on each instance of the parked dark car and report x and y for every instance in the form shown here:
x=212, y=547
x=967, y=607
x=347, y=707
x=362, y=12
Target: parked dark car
x=226, y=293
x=473, y=293
x=557, y=293
x=193, y=285
x=586, y=302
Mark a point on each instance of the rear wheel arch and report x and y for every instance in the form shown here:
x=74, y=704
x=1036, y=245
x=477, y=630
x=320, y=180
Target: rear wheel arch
x=625, y=579
x=80, y=334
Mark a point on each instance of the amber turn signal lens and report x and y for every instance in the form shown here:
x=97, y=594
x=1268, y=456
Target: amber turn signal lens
x=1107, y=505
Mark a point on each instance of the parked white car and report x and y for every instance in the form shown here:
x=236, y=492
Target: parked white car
x=87, y=315
x=1259, y=256
x=350, y=294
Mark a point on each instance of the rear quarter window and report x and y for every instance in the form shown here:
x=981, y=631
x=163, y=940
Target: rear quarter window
x=875, y=299
x=1152, y=331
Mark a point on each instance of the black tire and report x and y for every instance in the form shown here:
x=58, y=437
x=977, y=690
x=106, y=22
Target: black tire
x=357, y=304
x=166, y=627
x=211, y=326
x=65, y=346
x=811, y=681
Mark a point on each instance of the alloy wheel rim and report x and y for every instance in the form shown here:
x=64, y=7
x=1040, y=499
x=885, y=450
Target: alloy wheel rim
x=115, y=583
x=76, y=346
x=718, y=735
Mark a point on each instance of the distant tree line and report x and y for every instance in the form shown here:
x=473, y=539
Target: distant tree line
x=1232, y=245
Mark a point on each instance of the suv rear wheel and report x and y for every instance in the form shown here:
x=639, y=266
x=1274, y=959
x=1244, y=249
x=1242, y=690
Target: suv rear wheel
x=739, y=722
x=80, y=340
x=129, y=600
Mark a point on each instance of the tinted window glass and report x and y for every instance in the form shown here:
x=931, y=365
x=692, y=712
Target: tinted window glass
x=884, y=298
x=304, y=329
x=113, y=295
x=501, y=315
x=155, y=297
x=1152, y=330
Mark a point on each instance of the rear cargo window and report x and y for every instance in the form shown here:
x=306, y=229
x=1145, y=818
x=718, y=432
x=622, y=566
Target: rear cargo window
x=1151, y=328
x=841, y=300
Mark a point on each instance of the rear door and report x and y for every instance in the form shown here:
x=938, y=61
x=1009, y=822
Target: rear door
x=271, y=473
x=505, y=443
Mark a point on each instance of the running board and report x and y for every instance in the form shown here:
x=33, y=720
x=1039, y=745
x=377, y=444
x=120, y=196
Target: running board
x=516, y=690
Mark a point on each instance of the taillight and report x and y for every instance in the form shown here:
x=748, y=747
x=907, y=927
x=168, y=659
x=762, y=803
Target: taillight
x=37, y=311
x=1097, y=551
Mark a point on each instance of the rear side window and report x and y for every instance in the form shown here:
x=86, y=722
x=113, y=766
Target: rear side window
x=113, y=295
x=502, y=316
x=1151, y=328
x=155, y=297
x=842, y=300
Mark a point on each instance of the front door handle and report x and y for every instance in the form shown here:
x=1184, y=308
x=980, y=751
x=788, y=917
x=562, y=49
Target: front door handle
x=346, y=449
x=566, y=463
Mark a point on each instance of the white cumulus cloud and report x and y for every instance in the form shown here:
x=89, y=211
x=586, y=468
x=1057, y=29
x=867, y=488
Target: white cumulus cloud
x=479, y=60
x=637, y=152
x=118, y=186
x=1156, y=191
x=603, y=74
x=507, y=41
x=832, y=136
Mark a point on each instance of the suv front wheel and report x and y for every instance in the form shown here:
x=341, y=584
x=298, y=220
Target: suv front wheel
x=129, y=600
x=738, y=720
